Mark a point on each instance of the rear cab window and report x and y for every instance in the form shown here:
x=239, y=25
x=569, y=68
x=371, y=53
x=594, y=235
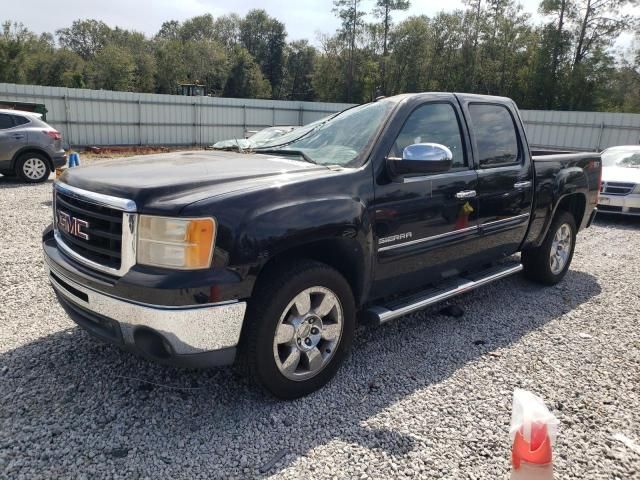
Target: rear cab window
x=495, y=135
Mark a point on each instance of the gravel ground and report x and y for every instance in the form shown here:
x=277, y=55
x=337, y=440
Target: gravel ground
x=427, y=396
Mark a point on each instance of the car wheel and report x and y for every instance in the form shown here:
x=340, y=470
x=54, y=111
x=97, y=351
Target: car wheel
x=33, y=168
x=549, y=263
x=300, y=327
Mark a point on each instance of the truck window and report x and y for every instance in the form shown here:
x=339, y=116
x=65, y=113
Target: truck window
x=5, y=121
x=432, y=123
x=495, y=135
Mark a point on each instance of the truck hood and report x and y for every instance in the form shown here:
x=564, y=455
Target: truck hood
x=621, y=174
x=167, y=182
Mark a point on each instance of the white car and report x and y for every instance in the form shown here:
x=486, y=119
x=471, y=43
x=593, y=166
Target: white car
x=254, y=141
x=620, y=188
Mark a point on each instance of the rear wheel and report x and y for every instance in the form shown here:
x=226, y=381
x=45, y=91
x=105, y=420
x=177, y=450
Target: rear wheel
x=299, y=329
x=549, y=263
x=33, y=168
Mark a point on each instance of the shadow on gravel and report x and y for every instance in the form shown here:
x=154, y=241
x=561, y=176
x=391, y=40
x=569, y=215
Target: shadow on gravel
x=624, y=222
x=69, y=404
x=14, y=182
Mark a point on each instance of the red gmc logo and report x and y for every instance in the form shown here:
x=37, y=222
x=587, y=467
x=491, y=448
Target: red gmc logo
x=72, y=225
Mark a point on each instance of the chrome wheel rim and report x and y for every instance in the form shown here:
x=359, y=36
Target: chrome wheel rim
x=34, y=168
x=308, y=333
x=560, y=249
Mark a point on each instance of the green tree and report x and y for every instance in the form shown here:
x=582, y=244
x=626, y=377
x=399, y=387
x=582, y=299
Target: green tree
x=384, y=10
x=245, y=78
x=264, y=37
x=113, y=68
x=85, y=37
x=351, y=15
x=299, y=67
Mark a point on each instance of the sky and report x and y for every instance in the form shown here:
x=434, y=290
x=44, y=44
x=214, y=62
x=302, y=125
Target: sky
x=303, y=18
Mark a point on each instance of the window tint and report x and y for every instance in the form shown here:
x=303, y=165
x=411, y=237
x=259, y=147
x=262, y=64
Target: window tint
x=20, y=120
x=432, y=123
x=5, y=121
x=495, y=135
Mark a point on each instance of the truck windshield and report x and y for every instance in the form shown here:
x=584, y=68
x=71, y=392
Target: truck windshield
x=339, y=141
x=627, y=157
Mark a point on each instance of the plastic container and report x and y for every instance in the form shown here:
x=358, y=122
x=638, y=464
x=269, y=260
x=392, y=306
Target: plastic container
x=533, y=432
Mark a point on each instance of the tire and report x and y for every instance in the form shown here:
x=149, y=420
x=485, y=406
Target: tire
x=33, y=168
x=319, y=338
x=543, y=264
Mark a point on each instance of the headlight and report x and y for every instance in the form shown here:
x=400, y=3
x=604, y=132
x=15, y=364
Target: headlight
x=180, y=243
x=637, y=188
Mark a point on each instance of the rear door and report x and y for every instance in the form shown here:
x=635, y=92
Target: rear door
x=505, y=174
x=12, y=138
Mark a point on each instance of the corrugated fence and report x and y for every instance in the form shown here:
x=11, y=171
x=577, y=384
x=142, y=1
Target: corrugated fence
x=100, y=117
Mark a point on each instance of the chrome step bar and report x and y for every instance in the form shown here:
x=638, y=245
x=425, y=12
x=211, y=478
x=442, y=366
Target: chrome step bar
x=384, y=313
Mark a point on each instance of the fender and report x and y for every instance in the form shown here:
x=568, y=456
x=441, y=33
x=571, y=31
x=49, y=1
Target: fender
x=552, y=188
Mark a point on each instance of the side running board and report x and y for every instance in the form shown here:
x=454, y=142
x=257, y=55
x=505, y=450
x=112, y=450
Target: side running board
x=457, y=286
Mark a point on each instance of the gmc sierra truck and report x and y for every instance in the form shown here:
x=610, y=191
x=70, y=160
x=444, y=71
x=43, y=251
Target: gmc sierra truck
x=203, y=258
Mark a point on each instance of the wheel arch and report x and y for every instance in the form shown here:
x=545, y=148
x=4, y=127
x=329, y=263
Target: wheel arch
x=343, y=254
x=31, y=149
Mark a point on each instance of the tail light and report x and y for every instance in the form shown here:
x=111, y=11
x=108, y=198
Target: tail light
x=53, y=134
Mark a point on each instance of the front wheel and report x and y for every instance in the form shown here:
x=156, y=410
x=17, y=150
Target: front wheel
x=549, y=263
x=300, y=326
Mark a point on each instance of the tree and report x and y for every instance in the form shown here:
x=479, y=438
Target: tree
x=383, y=10
x=351, y=16
x=264, y=38
x=245, y=78
x=299, y=67
x=85, y=37
x=113, y=68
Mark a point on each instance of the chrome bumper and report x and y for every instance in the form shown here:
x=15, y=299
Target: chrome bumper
x=188, y=330
x=624, y=204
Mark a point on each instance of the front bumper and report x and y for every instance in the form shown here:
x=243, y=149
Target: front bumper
x=191, y=336
x=620, y=204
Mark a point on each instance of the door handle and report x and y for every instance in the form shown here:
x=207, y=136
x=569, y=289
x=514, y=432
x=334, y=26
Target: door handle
x=466, y=194
x=18, y=136
x=522, y=185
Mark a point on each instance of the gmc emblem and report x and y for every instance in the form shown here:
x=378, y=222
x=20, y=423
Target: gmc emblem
x=72, y=225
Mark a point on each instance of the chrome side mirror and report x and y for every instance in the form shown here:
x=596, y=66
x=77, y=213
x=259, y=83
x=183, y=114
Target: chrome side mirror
x=425, y=158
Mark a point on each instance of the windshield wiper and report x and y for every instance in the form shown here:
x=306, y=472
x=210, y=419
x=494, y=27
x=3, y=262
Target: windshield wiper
x=284, y=151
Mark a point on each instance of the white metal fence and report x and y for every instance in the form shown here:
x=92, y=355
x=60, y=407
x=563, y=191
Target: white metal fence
x=100, y=117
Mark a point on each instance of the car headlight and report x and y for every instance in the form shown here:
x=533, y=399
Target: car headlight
x=637, y=188
x=180, y=243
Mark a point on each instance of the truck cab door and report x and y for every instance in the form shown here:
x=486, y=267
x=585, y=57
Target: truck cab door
x=424, y=224
x=505, y=175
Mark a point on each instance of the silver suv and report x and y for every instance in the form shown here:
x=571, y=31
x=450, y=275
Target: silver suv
x=29, y=147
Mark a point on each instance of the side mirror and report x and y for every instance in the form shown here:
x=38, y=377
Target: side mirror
x=422, y=158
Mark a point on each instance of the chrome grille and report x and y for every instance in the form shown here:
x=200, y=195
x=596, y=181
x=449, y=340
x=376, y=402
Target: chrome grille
x=617, y=188
x=96, y=230
x=103, y=244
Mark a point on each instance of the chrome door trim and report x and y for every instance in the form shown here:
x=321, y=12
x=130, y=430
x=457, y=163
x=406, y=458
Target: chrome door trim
x=505, y=220
x=426, y=239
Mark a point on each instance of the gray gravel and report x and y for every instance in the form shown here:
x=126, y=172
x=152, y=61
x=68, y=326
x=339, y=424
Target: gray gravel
x=427, y=396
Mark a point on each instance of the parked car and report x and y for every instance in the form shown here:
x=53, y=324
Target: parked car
x=197, y=258
x=29, y=147
x=620, y=189
x=255, y=140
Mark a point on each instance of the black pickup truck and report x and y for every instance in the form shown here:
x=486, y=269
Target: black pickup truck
x=201, y=258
